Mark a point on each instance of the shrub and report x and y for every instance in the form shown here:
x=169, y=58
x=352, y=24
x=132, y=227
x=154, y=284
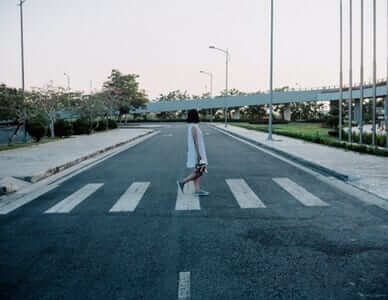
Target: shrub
x=81, y=126
x=63, y=128
x=99, y=125
x=37, y=127
x=112, y=124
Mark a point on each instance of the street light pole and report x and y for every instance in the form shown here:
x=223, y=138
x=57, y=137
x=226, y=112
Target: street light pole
x=226, y=81
x=350, y=70
x=341, y=78
x=362, y=71
x=21, y=2
x=271, y=79
x=68, y=81
x=210, y=74
x=374, y=76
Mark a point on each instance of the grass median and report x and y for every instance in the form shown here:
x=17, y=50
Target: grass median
x=312, y=132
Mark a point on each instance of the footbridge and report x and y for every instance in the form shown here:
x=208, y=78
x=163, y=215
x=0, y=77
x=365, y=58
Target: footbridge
x=323, y=94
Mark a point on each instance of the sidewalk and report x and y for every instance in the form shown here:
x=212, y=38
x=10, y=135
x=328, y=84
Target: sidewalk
x=367, y=172
x=28, y=165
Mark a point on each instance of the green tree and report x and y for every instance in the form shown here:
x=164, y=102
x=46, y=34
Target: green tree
x=49, y=100
x=122, y=93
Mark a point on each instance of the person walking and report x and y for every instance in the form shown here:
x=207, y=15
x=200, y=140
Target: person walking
x=196, y=154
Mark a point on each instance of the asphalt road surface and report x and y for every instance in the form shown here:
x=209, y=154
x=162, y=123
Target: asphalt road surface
x=121, y=230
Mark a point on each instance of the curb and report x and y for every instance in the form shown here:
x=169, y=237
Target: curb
x=316, y=167
x=57, y=169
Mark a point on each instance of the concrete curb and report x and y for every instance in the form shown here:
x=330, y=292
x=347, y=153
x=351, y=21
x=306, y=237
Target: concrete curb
x=316, y=167
x=57, y=169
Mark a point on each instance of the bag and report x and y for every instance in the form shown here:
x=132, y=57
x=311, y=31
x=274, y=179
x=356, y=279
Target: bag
x=201, y=167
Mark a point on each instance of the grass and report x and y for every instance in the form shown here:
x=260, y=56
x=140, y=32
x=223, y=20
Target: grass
x=30, y=143
x=313, y=132
x=308, y=129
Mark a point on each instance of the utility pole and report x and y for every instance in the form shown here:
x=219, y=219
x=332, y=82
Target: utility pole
x=21, y=2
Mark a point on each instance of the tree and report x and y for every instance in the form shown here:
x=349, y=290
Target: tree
x=122, y=93
x=49, y=100
x=13, y=107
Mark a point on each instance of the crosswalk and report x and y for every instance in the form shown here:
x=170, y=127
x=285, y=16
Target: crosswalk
x=128, y=201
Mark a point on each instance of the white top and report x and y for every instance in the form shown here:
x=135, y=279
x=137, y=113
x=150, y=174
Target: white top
x=191, y=152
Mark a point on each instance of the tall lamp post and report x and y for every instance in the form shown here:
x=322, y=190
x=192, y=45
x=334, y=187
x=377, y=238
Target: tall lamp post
x=226, y=81
x=210, y=74
x=271, y=79
x=21, y=2
x=341, y=78
x=68, y=81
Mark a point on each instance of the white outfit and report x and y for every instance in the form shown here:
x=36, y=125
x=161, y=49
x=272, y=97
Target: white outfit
x=191, y=152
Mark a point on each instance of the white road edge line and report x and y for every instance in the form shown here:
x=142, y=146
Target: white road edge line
x=299, y=193
x=184, y=286
x=245, y=197
x=361, y=195
x=66, y=205
x=131, y=198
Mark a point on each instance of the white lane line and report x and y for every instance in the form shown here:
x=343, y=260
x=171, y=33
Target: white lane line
x=299, y=193
x=74, y=199
x=9, y=206
x=131, y=198
x=187, y=200
x=184, y=285
x=245, y=197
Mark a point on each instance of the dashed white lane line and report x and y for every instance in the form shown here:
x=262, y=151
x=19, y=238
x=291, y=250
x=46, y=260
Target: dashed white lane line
x=245, y=197
x=131, y=198
x=187, y=200
x=7, y=207
x=74, y=199
x=299, y=193
x=184, y=285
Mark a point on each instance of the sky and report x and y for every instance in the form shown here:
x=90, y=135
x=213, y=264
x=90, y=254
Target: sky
x=166, y=42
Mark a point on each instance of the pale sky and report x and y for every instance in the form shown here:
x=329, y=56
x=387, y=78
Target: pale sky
x=166, y=42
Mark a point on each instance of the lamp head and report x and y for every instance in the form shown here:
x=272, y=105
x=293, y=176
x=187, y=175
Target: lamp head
x=211, y=47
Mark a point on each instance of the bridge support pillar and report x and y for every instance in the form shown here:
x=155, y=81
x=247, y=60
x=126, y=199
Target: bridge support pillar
x=357, y=111
x=287, y=114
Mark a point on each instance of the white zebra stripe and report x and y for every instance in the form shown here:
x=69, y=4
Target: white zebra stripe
x=299, y=193
x=245, y=197
x=187, y=200
x=74, y=199
x=131, y=198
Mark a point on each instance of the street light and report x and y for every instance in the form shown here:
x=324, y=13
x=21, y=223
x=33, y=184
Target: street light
x=210, y=74
x=271, y=79
x=21, y=2
x=68, y=81
x=226, y=81
x=341, y=77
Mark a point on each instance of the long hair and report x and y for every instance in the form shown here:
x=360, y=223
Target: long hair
x=192, y=116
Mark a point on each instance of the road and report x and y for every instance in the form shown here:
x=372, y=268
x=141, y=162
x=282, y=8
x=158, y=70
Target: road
x=268, y=230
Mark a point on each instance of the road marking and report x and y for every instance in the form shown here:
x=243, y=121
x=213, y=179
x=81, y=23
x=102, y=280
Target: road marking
x=299, y=193
x=362, y=195
x=9, y=206
x=74, y=199
x=245, y=197
x=131, y=198
x=184, y=285
x=187, y=200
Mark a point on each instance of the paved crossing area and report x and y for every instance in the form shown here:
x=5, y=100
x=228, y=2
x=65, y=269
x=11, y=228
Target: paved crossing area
x=238, y=189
